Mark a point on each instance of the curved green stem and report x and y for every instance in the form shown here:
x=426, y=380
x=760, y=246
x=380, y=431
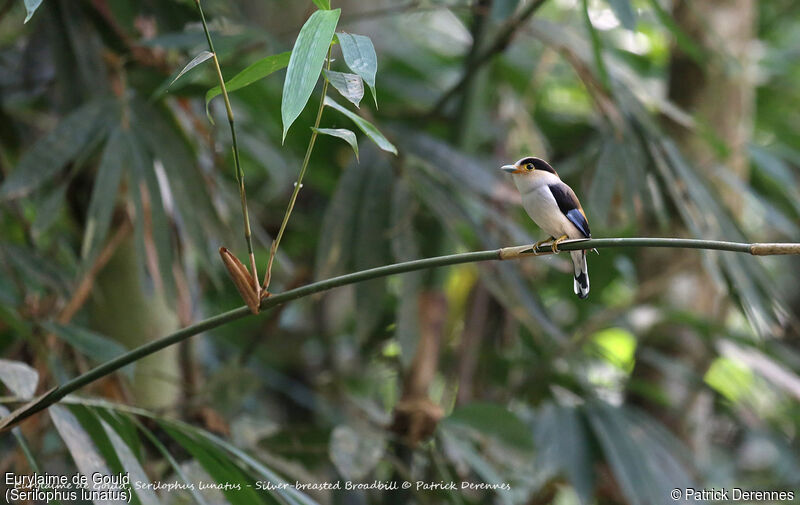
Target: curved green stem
x=505, y=253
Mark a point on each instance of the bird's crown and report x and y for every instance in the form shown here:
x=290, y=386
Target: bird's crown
x=532, y=163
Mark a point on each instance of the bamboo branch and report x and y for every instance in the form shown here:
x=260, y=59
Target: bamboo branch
x=237, y=164
x=273, y=250
x=506, y=253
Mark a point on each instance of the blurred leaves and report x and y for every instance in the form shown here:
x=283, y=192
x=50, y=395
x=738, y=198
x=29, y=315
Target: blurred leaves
x=355, y=452
x=493, y=420
x=104, y=195
x=62, y=145
x=19, y=378
x=624, y=12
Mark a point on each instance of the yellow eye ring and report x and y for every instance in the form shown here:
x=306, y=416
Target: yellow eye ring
x=529, y=166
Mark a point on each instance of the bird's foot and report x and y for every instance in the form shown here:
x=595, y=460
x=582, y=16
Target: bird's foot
x=539, y=244
x=554, y=246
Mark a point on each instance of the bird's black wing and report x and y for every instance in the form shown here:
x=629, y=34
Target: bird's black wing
x=569, y=205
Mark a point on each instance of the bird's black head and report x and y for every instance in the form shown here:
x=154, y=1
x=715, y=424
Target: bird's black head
x=530, y=163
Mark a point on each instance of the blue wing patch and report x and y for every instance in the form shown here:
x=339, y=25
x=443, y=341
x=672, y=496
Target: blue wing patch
x=568, y=204
x=576, y=217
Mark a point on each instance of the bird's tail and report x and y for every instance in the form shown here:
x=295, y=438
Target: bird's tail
x=581, y=281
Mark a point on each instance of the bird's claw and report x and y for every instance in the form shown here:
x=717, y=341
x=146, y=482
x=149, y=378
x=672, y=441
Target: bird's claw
x=535, y=247
x=554, y=245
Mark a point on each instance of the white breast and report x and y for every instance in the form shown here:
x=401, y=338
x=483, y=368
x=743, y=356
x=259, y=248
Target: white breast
x=541, y=206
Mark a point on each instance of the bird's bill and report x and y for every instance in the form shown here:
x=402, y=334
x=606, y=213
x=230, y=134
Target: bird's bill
x=511, y=169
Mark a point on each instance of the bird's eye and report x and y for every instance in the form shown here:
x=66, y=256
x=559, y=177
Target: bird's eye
x=529, y=166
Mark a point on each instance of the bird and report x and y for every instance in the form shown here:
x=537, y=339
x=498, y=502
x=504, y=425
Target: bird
x=555, y=209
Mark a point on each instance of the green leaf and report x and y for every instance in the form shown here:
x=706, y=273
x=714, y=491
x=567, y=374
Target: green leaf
x=371, y=246
x=131, y=466
x=359, y=54
x=604, y=181
x=624, y=12
x=644, y=458
x=146, y=195
x=597, y=47
x=50, y=154
x=252, y=73
x=19, y=378
x=562, y=438
x=48, y=209
x=219, y=467
x=365, y=126
x=681, y=38
x=405, y=247
x=493, y=420
x=349, y=86
x=104, y=193
x=305, y=64
x=31, y=6
x=334, y=248
x=80, y=444
x=98, y=347
x=323, y=4
x=342, y=133
x=171, y=460
x=200, y=58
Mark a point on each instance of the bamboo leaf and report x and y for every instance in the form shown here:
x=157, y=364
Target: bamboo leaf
x=104, y=194
x=80, y=445
x=146, y=195
x=335, y=251
x=19, y=378
x=31, y=6
x=131, y=466
x=219, y=467
x=200, y=58
x=405, y=247
x=561, y=436
x=342, y=133
x=349, y=86
x=252, y=73
x=98, y=347
x=644, y=460
x=493, y=420
x=171, y=460
x=624, y=12
x=371, y=247
x=365, y=126
x=50, y=154
x=359, y=55
x=49, y=208
x=305, y=63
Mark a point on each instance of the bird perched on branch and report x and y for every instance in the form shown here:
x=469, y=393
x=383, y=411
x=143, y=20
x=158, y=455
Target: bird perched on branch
x=554, y=207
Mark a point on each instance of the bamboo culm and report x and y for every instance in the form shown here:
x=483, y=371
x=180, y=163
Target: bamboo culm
x=506, y=253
